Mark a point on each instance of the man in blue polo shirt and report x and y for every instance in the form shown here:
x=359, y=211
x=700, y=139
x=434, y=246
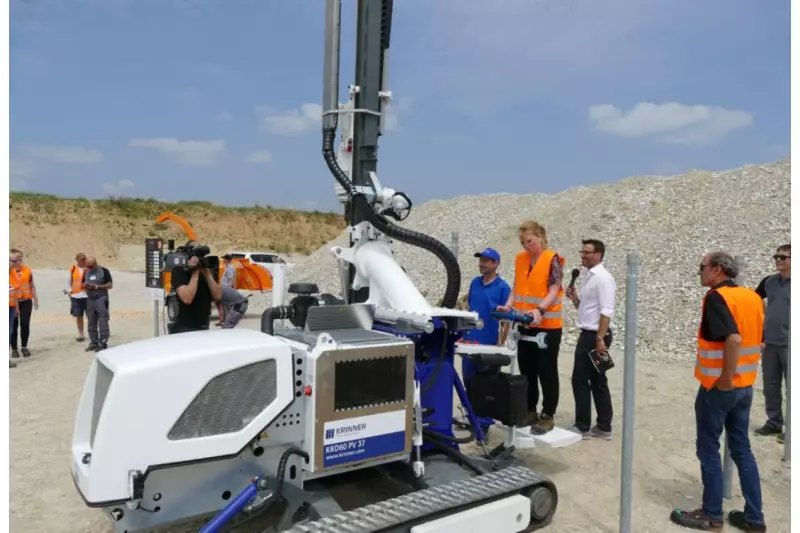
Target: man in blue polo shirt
x=486, y=292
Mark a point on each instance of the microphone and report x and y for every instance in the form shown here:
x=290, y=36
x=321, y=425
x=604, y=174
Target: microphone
x=575, y=274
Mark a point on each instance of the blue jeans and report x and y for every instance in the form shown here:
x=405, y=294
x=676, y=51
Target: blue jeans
x=715, y=410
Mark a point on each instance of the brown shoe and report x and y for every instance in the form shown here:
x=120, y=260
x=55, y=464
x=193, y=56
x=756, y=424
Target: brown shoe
x=695, y=520
x=544, y=424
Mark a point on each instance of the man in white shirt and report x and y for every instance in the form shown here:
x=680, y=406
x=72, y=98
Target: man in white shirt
x=595, y=304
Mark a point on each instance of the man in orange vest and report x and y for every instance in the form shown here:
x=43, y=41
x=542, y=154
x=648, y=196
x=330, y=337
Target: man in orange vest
x=21, y=277
x=537, y=292
x=77, y=293
x=13, y=308
x=728, y=354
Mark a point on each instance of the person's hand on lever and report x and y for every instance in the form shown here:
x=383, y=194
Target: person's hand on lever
x=536, y=314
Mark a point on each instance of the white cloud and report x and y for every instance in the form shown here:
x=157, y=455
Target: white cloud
x=260, y=157
x=20, y=168
x=672, y=122
x=196, y=153
x=309, y=116
x=117, y=189
x=64, y=154
x=18, y=171
x=291, y=122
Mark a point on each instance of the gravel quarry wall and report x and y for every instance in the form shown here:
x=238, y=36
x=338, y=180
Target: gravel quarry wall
x=671, y=222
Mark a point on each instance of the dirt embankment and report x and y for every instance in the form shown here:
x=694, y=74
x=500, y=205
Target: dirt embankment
x=51, y=230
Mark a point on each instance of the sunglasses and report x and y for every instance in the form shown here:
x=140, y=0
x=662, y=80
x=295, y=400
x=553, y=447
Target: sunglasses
x=781, y=257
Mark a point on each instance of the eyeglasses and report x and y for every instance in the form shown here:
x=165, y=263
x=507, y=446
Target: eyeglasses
x=781, y=257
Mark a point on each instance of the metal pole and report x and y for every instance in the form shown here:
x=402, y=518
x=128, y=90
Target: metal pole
x=454, y=243
x=727, y=461
x=787, y=446
x=156, y=305
x=628, y=396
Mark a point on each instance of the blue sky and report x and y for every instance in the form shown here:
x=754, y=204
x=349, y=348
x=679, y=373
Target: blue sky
x=218, y=99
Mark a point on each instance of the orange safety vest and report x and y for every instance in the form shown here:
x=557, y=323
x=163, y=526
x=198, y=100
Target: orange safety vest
x=21, y=279
x=12, y=296
x=77, y=279
x=530, y=288
x=748, y=314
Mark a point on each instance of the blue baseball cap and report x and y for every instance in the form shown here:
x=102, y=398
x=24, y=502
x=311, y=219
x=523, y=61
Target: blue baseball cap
x=489, y=253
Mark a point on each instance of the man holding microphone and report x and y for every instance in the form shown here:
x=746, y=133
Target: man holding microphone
x=595, y=305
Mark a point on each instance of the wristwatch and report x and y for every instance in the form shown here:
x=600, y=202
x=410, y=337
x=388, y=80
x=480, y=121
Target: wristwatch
x=541, y=311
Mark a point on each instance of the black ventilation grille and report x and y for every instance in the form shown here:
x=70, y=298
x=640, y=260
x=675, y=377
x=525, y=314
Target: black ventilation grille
x=369, y=382
x=229, y=402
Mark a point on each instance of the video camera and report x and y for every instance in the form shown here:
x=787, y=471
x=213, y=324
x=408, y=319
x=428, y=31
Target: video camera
x=179, y=258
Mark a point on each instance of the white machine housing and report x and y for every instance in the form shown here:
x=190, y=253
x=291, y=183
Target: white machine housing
x=176, y=423
x=175, y=399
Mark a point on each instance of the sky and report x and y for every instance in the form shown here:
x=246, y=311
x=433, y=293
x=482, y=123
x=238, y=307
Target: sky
x=220, y=100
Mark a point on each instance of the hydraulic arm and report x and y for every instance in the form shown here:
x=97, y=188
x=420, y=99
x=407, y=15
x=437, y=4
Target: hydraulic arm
x=366, y=201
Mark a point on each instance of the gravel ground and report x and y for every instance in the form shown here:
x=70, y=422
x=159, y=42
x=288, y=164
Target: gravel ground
x=670, y=222
x=45, y=389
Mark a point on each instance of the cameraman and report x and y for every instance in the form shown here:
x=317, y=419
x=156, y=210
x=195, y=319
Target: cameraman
x=196, y=290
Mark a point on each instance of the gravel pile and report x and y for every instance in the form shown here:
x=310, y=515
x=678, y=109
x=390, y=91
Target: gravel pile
x=671, y=222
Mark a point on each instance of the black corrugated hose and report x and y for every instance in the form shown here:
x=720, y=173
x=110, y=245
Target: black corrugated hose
x=383, y=225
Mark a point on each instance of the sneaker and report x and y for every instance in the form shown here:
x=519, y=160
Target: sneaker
x=767, y=431
x=92, y=348
x=585, y=434
x=543, y=425
x=737, y=520
x=15, y=354
x=695, y=520
x=782, y=438
x=103, y=346
x=26, y=352
x=597, y=432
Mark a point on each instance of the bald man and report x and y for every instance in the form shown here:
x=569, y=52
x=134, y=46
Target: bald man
x=97, y=281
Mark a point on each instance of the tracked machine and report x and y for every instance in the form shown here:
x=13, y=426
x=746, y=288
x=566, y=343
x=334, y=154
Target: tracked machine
x=337, y=416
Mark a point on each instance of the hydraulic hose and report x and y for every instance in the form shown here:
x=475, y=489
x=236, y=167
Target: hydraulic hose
x=272, y=314
x=420, y=240
x=328, y=135
x=385, y=226
x=278, y=492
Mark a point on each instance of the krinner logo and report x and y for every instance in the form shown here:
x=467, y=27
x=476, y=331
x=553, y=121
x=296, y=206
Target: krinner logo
x=344, y=430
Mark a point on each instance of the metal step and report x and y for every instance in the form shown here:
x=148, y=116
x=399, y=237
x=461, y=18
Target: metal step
x=416, y=505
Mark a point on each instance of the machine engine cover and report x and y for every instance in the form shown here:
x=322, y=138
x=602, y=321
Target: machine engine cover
x=363, y=404
x=500, y=396
x=175, y=399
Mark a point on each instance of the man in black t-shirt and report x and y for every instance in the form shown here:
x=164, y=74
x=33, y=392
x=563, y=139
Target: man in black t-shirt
x=196, y=290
